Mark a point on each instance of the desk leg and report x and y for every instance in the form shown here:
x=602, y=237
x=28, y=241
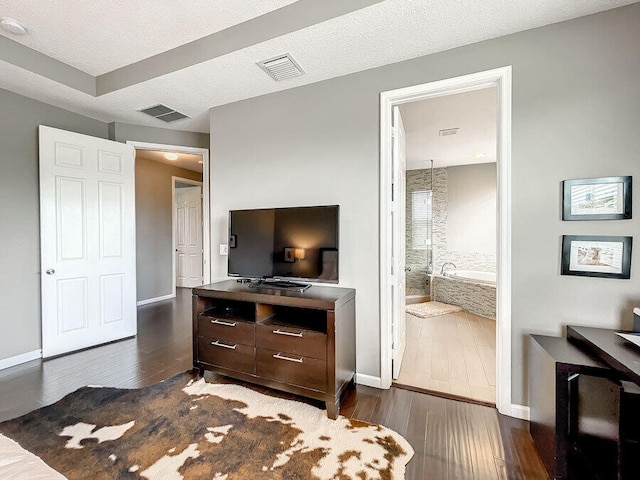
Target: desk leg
x=572, y=382
x=566, y=419
x=629, y=429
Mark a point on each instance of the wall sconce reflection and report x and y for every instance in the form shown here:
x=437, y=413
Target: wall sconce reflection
x=291, y=254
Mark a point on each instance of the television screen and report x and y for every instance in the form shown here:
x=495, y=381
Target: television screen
x=298, y=243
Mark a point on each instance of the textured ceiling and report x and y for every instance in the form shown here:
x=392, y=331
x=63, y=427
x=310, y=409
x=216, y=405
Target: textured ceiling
x=99, y=36
x=472, y=113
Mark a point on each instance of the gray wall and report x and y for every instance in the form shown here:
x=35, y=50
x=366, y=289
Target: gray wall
x=467, y=216
x=576, y=110
x=464, y=221
x=154, y=204
x=20, y=214
x=471, y=208
x=121, y=132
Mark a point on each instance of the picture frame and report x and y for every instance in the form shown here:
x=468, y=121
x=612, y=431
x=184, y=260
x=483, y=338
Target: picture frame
x=289, y=254
x=596, y=256
x=604, y=198
x=232, y=241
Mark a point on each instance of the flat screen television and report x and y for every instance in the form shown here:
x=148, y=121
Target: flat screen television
x=299, y=243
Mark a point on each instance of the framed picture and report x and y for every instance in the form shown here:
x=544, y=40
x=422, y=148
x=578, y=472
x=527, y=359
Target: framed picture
x=596, y=256
x=232, y=241
x=607, y=198
x=289, y=254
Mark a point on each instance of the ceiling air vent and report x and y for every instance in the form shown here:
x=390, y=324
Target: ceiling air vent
x=164, y=113
x=281, y=67
x=448, y=131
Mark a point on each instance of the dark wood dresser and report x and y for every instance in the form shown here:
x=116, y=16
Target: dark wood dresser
x=298, y=342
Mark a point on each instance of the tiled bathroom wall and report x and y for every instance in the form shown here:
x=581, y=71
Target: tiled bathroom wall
x=417, y=281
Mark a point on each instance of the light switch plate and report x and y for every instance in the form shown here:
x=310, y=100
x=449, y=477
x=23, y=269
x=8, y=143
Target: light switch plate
x=224, y=249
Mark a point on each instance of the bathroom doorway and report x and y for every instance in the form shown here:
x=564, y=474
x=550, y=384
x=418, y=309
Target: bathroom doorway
x=455, y=237
x=450, y=246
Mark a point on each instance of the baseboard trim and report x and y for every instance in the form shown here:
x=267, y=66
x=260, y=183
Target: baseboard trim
x=156, y=299
x=368, y=380
x=18, y=359
x=520, y=411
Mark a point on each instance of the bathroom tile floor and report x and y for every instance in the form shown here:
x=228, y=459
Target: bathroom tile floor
x=454, y=354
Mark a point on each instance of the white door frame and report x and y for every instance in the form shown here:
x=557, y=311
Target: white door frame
x=206, y=185
x=195, y=183
x=501, y=79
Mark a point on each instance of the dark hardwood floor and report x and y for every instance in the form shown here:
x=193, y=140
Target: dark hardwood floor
x=451, y=439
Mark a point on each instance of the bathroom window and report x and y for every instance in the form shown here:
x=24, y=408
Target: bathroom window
x=421, y=217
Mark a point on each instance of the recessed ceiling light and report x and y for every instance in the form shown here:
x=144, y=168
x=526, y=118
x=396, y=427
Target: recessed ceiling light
x=479, y=155
x=12, y=26
x=171, y=156
x=200, y=162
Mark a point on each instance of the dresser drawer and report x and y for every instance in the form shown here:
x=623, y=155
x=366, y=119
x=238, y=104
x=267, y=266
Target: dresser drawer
x=292, y=369
x=292, y=340
x=227, y=330
x=233, y=356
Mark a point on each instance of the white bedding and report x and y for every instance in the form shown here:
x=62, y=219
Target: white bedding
x=18, y=464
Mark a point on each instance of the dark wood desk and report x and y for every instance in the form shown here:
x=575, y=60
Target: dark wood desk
x=556, y=365
x=620, y=354
x=623, y=358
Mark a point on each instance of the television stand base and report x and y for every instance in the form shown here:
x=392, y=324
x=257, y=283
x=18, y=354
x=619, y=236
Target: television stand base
x=281, y=284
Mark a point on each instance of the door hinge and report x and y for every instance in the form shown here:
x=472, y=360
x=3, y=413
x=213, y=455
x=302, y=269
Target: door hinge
x=393, y=189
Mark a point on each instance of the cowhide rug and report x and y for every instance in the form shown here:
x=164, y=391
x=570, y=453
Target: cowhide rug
x=186, y=428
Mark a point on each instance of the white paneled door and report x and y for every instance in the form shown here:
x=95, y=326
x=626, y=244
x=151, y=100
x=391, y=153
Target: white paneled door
x=399, y=162
x=188, y=237
x=87, y=234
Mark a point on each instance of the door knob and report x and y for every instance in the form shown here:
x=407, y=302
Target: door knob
x=407, y=269
x=51, y=271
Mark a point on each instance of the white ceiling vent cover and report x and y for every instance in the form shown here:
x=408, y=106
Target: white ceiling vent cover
x=281, y=67
x=448, y=131
x=164, y=113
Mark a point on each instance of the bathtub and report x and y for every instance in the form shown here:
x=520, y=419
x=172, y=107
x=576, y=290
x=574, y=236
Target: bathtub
x=484, y=278
x=473, y=291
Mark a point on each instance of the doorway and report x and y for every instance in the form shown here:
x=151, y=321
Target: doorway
x=450, y=246
x=187, y=233
x=158, y=168
x=500, y=79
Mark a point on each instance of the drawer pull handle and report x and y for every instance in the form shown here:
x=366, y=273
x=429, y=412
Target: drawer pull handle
x=289, y=334
x=224, y=345
x=283, y=357
x=220, y=322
